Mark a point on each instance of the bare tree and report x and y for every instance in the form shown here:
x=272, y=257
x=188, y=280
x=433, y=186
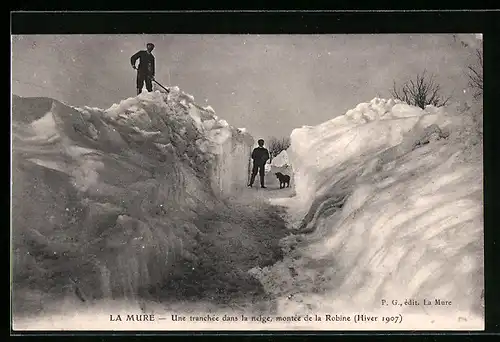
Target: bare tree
x=475, y=74
x=421, y=91
x=275, y=146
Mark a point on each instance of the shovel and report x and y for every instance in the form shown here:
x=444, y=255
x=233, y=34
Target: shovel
x=155, y=81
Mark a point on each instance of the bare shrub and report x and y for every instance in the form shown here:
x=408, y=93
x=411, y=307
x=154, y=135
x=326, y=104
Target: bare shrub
x=276, y=145
x=475, y=74
x=420, y=91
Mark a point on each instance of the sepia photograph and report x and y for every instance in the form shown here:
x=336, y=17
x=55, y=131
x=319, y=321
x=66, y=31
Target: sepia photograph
x=247, y=182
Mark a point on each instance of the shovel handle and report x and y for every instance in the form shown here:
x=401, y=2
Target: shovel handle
x=155, y=81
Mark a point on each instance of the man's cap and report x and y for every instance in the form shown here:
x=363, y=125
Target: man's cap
x=150, y=44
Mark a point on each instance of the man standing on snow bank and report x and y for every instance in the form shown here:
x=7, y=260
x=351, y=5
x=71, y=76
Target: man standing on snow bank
x=260, y=155
x=146, y=68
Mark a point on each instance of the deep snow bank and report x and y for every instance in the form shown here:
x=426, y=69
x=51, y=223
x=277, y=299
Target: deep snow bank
x=104, y=202
x=227, y=147
x=390, y=197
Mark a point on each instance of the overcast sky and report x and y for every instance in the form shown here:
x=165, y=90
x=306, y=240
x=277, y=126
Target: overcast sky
x=269, y=84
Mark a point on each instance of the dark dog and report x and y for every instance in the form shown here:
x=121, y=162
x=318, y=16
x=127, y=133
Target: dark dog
x=284, y=180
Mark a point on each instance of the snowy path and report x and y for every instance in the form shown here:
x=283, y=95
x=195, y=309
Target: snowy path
x=246, y=234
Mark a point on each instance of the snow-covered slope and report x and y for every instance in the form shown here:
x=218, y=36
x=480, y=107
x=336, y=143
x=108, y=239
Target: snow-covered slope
x=389, y=207
x=106, y=201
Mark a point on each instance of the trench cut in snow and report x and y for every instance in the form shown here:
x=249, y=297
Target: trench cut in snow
x=113, y=203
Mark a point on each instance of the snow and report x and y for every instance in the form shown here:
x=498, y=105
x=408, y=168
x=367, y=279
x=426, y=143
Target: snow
x=360, y=133
x=209, y=109
x=387, y=204
x=45, y=127
x=281, y=160
x=219, y=138
x=118, y=188
x=390, y=197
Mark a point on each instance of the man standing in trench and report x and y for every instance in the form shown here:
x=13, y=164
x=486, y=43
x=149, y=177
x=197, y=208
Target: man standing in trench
x=260, y=155
x=146, y=68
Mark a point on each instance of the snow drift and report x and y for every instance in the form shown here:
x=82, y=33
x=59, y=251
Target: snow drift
x=106, y=203
x=388, y=206
x=281, y=160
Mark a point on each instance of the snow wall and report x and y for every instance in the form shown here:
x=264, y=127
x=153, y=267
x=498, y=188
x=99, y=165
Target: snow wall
x=281, y=160
x=388, y=206
x=106, y=202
